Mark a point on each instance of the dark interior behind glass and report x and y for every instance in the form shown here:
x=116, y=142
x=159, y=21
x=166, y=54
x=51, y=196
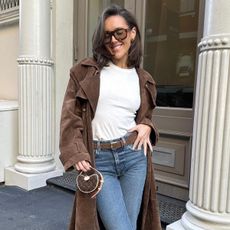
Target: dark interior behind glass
x=170, y=49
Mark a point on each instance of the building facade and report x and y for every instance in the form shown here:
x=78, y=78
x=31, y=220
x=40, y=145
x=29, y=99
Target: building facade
x=186, y=49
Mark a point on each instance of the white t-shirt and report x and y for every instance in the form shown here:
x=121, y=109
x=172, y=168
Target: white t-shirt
x=119, y=99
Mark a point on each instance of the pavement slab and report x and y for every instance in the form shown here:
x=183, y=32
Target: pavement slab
x=46, y=208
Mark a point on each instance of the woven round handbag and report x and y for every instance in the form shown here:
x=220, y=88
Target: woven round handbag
x=90, y=182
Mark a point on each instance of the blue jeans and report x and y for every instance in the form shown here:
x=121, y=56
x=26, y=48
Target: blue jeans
x=119, y=201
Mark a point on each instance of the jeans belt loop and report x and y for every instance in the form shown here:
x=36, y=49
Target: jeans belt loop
x=123, y=141
x=98, y=145
x=111, y=144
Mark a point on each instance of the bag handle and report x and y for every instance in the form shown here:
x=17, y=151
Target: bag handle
x=94, y=170
x=101, y=179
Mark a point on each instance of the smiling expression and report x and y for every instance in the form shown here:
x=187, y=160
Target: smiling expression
x=119, y=49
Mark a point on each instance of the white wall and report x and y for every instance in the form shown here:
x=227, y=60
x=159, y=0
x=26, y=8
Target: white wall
x=9, y=42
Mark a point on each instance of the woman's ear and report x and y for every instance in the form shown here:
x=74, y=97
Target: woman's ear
x=133, y=33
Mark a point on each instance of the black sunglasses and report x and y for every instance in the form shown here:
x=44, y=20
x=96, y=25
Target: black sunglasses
x=120, y=34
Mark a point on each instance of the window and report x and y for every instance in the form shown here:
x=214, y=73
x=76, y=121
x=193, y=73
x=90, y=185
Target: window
x=170, y=49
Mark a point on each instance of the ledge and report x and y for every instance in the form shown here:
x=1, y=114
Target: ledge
x=6, y=105
x=9, y=16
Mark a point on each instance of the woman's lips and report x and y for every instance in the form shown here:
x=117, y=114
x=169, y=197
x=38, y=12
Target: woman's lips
x=115, y=47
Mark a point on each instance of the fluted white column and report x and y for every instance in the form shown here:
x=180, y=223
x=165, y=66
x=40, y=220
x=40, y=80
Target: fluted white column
x=209, y=204
x=36, y=130
x=35, y=89
x=35, y=116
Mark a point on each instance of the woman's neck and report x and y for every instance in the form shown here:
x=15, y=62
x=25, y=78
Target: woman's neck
x=121, y=64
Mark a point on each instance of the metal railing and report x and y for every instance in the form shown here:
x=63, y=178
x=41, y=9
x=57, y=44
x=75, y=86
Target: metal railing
x=8, y=4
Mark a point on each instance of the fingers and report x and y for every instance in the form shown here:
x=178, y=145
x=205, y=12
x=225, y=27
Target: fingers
x=142, y=142
x=83, y=166
x=136, y=142
x=150, y=145
x=145, y=143
x=145, y=148
x=142, y=139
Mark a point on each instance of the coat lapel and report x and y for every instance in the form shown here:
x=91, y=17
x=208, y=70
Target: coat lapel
x=91, y=86
x=91, y=83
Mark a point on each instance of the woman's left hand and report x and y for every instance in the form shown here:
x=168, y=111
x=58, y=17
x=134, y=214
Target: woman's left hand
x=142, y=137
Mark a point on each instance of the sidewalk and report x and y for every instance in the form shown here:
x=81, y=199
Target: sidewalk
x=50, y=207
x=47, y=208
x=170, y=209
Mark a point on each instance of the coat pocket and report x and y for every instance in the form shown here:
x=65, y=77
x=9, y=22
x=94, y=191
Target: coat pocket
x=81, y=148
x=81, y=95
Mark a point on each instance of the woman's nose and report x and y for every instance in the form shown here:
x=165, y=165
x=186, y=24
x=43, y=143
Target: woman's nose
x=113, y=39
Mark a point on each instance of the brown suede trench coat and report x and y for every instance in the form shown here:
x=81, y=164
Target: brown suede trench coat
x=78, y=110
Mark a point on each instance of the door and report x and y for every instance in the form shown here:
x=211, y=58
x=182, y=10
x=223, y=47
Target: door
x=170, y=52
x=169, y=30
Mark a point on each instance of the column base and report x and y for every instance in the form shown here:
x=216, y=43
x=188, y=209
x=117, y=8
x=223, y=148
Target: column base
x=29, y=181
x=35, y=165
x=189, y=222
x=175, y=226
x=181, y=225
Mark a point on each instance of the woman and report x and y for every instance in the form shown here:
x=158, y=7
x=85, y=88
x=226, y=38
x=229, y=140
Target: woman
x=106, y=123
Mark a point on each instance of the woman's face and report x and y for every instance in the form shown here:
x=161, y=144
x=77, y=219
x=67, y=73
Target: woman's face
x=118, y=47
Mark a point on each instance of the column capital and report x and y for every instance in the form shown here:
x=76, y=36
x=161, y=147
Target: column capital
x=220, y=41
x=26, y=60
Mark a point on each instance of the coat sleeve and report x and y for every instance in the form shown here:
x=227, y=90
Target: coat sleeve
x=147, y=107
x=71, y=143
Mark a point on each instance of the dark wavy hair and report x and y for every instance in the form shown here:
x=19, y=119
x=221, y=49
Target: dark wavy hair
x=100, y=53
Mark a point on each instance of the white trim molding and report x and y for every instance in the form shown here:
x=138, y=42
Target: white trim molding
x=9, y=11
x=34, y=61
x=215, y=42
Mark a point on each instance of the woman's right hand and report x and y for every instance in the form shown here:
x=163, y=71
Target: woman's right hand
x=83, y=166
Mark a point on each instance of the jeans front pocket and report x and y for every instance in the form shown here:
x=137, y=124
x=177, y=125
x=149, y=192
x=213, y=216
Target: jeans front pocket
x=130, y=147
x=104, y=160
